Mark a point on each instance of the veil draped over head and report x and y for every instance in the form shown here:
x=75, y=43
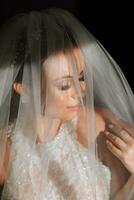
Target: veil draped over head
x=55, y=77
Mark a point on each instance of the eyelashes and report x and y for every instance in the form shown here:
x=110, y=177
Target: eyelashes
x=67, y=85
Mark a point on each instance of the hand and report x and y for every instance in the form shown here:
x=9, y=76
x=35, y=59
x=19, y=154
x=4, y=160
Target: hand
x=120, y=142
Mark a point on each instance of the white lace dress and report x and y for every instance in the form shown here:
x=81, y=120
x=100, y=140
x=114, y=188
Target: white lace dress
x=71, y=173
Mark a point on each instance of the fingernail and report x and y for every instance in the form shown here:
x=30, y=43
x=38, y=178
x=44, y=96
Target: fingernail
x=106, y=133
x=111, y=126
x=108, y=142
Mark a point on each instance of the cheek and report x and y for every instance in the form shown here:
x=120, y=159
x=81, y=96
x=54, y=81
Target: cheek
x=57, y=99
x=57, y=106
x=60, y=99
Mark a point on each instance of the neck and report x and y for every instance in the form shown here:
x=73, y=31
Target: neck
x=48, y=129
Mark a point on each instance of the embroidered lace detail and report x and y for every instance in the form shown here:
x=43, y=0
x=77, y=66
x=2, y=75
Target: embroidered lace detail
x=72, y=172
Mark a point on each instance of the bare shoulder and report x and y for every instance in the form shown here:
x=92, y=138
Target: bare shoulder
x=4, y=158
x=101, y=117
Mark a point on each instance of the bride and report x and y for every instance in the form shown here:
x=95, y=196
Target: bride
x=64, y=104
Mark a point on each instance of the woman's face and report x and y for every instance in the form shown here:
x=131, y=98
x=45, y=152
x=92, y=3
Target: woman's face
x=62, y=99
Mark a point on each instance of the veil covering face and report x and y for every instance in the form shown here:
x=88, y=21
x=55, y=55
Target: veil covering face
x=64, y=76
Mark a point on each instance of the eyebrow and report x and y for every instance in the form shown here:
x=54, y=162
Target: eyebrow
x=68, y=76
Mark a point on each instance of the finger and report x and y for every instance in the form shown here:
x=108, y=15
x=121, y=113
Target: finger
x=126, y=126
x=112, y=127
x=121, y=124
x=109, y=116
x=123, y=134
x=126, y=136
x=113, y=149
x=116, y=141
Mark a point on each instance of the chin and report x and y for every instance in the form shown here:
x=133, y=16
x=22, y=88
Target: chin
x=70, y=116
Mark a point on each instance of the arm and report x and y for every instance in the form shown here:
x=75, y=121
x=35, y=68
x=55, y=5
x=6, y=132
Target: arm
x=120, y=143
x=122, y=179
x=4, y=159
x=127, y=192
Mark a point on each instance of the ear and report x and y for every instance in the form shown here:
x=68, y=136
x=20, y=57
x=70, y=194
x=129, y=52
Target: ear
x=18, y=88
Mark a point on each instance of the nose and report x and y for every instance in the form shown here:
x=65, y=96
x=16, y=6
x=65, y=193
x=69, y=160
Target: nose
x=75, y=94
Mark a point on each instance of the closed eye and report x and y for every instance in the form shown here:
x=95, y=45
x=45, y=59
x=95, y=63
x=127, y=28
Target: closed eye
x=64, y=87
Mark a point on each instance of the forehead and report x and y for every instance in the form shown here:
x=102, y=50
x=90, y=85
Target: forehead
x=61, y=64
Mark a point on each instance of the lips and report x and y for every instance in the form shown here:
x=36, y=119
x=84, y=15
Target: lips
x=74, y=107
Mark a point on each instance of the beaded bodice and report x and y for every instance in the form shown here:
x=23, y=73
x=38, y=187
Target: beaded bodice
x=61, y=169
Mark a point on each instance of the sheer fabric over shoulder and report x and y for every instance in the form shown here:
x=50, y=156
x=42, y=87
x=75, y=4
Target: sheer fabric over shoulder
x=54, y=74
x=69, y=171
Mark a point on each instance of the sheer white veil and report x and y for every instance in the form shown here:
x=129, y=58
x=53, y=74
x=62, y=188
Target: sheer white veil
x=29, y=44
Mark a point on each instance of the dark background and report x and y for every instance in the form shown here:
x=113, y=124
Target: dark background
x=110, y=23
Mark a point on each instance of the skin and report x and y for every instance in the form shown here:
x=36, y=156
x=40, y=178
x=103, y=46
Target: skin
x=62, y=100
x=3, y=170
x=60, y=84
x=121, y=175
x=62, y=94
